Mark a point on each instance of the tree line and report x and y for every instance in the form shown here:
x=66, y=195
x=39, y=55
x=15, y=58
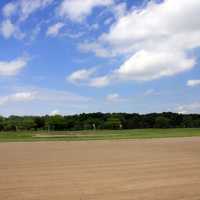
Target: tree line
x=99, y=121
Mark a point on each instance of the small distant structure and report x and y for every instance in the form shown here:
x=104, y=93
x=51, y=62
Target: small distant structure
x=94, y=126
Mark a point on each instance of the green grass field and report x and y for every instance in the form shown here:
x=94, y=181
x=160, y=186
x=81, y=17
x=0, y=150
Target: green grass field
x=97, y=135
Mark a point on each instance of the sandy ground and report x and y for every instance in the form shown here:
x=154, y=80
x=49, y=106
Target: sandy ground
x=162, y=169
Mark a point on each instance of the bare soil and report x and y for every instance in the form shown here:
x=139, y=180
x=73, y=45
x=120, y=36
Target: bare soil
x=157, y=169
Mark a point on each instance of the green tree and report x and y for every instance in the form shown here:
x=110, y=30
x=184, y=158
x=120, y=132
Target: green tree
x=196, y=123
x=39, y=122
x=28, y=123
x=56, y=122
x=162, y=122
x=113, y=123
x=188, y=122
x=1, y=123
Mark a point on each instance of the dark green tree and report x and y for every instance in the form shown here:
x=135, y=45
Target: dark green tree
x=162, y=122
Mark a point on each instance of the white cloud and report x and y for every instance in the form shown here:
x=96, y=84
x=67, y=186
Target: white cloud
x=17, y=97
x=34, y=33
x=7, y=29
x=54, y=29
x=24, y=8
x=149, y=65
x=139, y=26
x=150, y=92
x=80, y=76
x=74, y=35
x=96, y=48
x=27, y=7
x=43, y=95
x=17, y=12
x=78, y=10
x=11, y=68
x=23, y=96
x=144, y=66
x=189, y=108
x=113, y=97
x=155, y=39
x=9, y=9
x=87, y=77
x=116, y=98
x=40, y=101
x=119, y=10
x=100, y=81
x=193, y=83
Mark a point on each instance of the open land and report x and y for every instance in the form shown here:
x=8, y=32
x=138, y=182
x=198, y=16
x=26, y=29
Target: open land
x=154, y=169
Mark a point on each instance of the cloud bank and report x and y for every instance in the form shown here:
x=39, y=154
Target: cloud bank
x=157, y=41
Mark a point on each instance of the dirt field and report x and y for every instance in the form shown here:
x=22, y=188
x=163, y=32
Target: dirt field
x=162, y=169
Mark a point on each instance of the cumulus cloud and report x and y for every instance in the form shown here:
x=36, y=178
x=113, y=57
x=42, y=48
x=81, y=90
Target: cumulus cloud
x=55, y=29
x=156, y=40
x=11, y=68
x=87, y=77
x=146, y=65
x=193, y=83
x=80, y=76
x=139, y=26
x=149, y=65
x=78, y=10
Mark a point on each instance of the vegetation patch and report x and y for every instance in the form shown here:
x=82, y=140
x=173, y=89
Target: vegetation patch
x=98, y=135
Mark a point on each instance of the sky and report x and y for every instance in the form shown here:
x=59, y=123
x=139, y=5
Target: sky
x=74, y=56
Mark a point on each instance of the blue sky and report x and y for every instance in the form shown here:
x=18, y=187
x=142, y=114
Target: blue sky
x=74, y=56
